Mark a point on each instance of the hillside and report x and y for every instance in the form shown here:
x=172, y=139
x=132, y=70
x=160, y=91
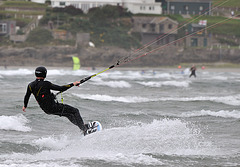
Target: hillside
x=227, y=3
x=110, y=30
x=108, y=26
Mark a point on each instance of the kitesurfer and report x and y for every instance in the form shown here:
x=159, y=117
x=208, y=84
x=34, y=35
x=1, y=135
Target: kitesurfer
x=40, y=88
x=193, y=71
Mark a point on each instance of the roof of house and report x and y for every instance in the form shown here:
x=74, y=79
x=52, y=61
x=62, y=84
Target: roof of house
x=150, y=20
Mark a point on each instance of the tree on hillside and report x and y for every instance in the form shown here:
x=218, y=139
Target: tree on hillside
x=39, y=36
x=100, y=15
x=71, y=10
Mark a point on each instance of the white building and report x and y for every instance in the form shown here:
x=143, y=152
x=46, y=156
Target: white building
x=134, y=6
x=38, y=1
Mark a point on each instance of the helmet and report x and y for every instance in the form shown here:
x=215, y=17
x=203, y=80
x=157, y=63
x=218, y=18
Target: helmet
x=41, y=72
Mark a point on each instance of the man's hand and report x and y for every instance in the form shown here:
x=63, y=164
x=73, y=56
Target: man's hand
x=76, y=83
x=24, y=109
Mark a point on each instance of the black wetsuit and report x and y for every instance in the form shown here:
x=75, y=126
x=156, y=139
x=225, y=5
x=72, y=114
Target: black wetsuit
x=41, y=90
x=193, y=72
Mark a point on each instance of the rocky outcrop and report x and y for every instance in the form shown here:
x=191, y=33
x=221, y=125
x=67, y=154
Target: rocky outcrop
x=105, y=56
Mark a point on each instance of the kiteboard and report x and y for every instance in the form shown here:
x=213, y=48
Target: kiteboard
x=93, y=127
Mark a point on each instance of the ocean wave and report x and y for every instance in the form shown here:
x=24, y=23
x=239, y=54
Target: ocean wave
x=52, y=142
x=166, y=136
x=220, y=78
x=61, y=72
x=69, y=72
x=221, y=113
x=112, y=84
x=115, y=74
x=184, y=84
x=127, y=145
x=17, y=123
x=18, y=72
x=229, y=100
x=127, y=99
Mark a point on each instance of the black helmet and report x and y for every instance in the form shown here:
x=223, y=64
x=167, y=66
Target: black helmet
x=41, y=72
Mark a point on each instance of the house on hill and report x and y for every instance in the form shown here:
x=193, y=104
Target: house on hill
x=197, y=35
x=7, y=27
x=163, y=29
x=134, y=6
x=189, y=7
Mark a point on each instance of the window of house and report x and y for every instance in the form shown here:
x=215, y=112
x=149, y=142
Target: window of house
x=201, y=8
x=150, y=8
x=172, y=7
x=205, y=42
x=144, y=25
x=186, y=7
x=170, y=26
x=153, y=27
x=194, y=42
x=62, y=3
x=140, y=7
x=3, y=28
x=161, y=27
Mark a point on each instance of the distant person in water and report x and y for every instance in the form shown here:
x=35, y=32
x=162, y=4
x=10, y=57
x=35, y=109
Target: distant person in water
x=193, y=71
x=46, y=99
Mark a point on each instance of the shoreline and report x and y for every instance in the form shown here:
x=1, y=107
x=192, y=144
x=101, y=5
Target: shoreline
x=208, y=69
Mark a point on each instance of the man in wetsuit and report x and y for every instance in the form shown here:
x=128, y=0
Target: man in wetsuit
x=46, y=99
x=193, y=71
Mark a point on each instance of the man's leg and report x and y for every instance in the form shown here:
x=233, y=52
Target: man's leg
x=72, y=114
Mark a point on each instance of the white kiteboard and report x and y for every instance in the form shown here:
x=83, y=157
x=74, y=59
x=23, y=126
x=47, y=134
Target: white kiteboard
x=94, y=126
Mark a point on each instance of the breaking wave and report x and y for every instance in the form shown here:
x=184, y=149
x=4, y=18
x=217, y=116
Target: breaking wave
x=17, y=123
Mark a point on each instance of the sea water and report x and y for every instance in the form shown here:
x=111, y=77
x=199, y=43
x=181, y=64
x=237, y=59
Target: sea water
x=160, y=118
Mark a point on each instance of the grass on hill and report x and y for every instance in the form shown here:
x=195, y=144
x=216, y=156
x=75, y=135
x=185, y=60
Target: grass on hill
x=23, y=4
x=230, y=27
x=227, y=3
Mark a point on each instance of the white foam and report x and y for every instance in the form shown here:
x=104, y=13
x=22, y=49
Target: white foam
x=22, y=163
x=229, y=100
x=52, y=142
x=113, y=84
x=222, y=78
x=221, y=113
x=131, y=143
x=17, y=123
x=126, y=99
x=166, y=83
x=18, y=72
x=125, y=145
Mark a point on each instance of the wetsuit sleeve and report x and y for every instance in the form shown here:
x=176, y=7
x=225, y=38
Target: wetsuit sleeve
x=27, y=96
x=61, y=88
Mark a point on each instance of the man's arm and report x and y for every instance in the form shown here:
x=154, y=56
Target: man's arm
x=26, y=98
x=64, y=87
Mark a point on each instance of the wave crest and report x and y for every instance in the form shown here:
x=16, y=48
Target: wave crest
x=17, y=123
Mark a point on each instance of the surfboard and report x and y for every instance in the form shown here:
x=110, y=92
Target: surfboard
x=93, y=127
